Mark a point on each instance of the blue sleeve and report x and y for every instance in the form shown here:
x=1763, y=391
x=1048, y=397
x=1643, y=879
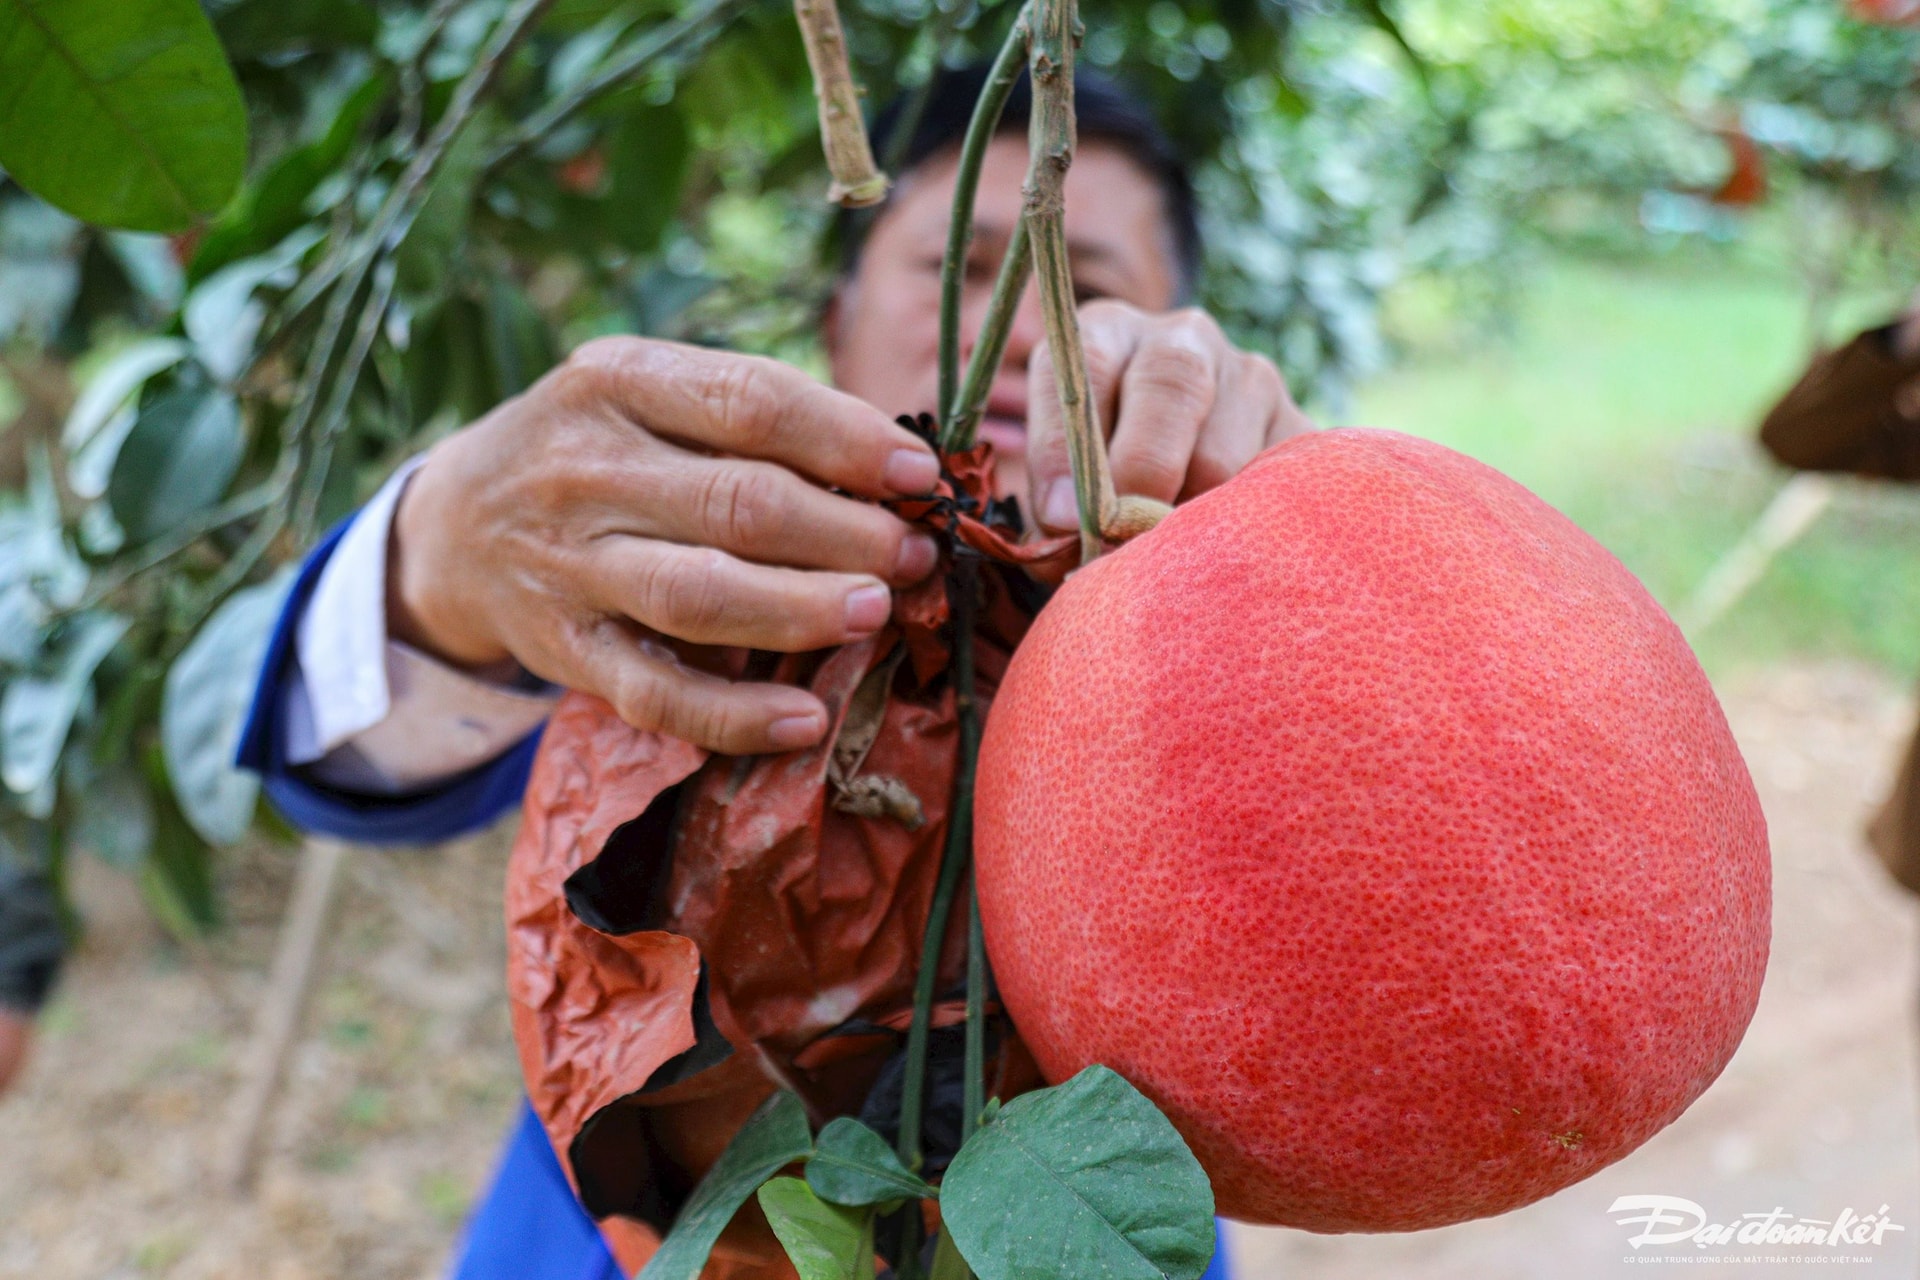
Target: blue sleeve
x=458, y=806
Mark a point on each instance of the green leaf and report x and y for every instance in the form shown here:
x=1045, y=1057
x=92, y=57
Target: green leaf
x=947, y=1262
x=519, y=343
x=179, y=458
x=204, y=706
x=853, y=1165
x=772, y=1138
x=122, y=112
x=647, y=157
x=1084, y=1179
x=178, y=877
x=825, y=1241
x=114, y=821
x=37, y=711
x=113, y=384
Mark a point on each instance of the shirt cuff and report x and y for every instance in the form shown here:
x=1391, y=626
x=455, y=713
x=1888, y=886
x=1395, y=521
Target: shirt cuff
x=365, y=713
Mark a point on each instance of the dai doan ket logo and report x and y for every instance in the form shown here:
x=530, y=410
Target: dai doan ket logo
x=1674, y=1220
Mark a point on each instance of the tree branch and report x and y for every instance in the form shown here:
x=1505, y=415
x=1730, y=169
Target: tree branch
x=857, y=180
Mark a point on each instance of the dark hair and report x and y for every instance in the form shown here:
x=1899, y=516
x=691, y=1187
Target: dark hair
x=1104, y=109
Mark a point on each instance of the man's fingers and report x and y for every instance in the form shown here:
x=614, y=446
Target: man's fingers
x=649, y=689
x=755, y=408
x=761, y=511
x=708, y=597
x=1250, y=402
x=1168, y=393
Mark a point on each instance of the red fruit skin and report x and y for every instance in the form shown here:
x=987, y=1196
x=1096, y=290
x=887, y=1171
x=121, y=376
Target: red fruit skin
x=1376, y=823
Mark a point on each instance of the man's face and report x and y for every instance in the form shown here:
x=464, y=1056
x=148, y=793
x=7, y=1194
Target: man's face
x=883, y=334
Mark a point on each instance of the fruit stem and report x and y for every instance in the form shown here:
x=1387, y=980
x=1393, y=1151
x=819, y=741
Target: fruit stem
x=857, y=180
x=1015, y=268
x=1051, y=136
x=978, y=978
x=985, y=122
x=955, y=859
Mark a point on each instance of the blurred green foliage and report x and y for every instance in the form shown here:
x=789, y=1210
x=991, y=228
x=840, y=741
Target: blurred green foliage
x=442, y=196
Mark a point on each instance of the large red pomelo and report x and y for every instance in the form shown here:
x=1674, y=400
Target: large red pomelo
x=1374, y=821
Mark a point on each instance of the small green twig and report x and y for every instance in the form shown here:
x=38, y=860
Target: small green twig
x=963, y=418
x=857, y=180
x=333, y=421
x=1006, y=69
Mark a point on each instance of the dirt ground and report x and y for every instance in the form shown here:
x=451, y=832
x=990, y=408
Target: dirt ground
x=403, y=1079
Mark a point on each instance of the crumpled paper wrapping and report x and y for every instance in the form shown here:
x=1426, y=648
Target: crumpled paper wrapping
x=688, y=932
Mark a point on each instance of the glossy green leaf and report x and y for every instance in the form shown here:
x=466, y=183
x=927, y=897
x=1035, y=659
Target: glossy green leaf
x=774, y=1137
x=122, y=112
x=825, y=1241
x=204, y=706
x=853, y=1165
x=1084, y=1179
x=37, y=711
x=179, y=458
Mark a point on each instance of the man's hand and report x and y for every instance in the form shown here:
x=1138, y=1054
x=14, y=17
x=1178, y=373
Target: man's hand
x=1183, y=408
x=647, y=490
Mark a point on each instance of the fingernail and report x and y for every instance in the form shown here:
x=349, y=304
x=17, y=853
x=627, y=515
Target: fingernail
x=918, y=555
x=794, y=732
x=912, y=471
x=1061, y=510
x=868, y=609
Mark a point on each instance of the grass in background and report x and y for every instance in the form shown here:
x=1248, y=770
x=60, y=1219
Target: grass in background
x=1627, y=394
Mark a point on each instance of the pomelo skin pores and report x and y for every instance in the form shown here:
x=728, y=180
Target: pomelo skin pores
x=1375, y=822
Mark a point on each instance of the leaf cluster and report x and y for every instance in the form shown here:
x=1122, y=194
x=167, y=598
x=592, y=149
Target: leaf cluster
x=1085, y=1178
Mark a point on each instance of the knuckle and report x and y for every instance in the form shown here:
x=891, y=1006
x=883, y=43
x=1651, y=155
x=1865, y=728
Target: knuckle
x=739, y=400
x=1173, y=362
x=644, y=699
x=743, y=505
x=690, y=592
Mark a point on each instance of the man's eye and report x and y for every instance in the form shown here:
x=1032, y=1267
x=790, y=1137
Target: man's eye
x=1085, y=293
